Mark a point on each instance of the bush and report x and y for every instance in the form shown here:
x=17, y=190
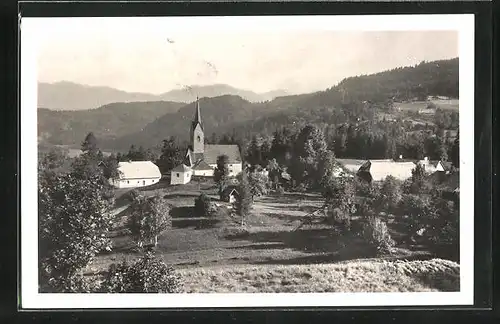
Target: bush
x=339, y=218
x=203, y=206
x=376, y=234
x=147, y=275
x=74, y=284
x=280, y=190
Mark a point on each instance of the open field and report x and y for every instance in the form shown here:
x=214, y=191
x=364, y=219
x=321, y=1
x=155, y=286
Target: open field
x=268, y=249
x=357, y=276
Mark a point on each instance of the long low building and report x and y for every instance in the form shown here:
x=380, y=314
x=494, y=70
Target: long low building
x=135, y=174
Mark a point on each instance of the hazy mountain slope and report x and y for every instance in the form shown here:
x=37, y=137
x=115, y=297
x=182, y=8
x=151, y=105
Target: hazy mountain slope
x=110, y=121
x=71, y=96
x=332, y=106
x=216, y=114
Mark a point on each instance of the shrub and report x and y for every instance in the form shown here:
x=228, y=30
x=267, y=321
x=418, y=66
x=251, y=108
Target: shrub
x=147, y=275
x=203, y=206
x=74, y=284
x=376, y=234
x=280, y=190
x=338, y=217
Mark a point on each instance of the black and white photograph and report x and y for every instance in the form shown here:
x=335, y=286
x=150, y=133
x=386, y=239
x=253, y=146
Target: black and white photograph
x=247, y=161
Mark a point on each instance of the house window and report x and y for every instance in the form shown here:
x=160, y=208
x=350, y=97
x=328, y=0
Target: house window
x=230, y=170
x=199, y=138
x=177, y=175
x=128, y=181
x=137, y=181
x=230, y=165
x=152, y=181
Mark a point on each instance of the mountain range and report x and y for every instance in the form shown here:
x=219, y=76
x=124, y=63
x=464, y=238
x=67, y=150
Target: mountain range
x=120, y=125
x=71, y=96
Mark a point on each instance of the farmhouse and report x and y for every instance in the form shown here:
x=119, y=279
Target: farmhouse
x=351, y=165
x=136, y=174
x=431, y=166
x=201, y=158
x=378, y=170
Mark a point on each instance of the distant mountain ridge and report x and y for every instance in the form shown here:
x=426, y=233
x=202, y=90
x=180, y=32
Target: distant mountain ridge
x=225, y=113
x=70, y=96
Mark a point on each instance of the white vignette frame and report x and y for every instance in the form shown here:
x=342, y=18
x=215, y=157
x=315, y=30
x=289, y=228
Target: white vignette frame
x=32, y=299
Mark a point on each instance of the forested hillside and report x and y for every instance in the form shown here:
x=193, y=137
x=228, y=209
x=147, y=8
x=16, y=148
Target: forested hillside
x=110, y=121
x=353, y=100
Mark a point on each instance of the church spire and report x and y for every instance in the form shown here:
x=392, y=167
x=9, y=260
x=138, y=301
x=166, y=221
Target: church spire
x=197, y=116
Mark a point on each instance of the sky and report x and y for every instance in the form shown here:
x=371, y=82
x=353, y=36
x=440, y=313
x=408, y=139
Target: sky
x=155, y=56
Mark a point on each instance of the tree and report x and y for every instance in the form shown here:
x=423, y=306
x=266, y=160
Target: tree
x=203, y=206
x=254, y=154
x=89, y=145
x=171, y=155
x=110, y=167
x=149, y=217
x=259, y=184
x=265, y=150
x=74, y=219
x=390, y=194
x=455, y=152
x=147, y=275
x=244, y=202
x=274, y=172
x=308, y=149
x=221, y=172
x=418, y=181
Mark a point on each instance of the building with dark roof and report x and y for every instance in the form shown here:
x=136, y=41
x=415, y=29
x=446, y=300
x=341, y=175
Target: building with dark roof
x=201, y=158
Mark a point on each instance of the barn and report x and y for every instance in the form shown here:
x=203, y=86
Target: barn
x=135, y=174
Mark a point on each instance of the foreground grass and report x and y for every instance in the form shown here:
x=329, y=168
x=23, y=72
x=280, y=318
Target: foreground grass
x=362, y=276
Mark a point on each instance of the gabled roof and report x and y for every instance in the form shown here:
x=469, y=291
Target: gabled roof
x=212, y=152
x=202, y=165
x=181, y=168
x=138, y=170
x=380, y=169
x=351, y=165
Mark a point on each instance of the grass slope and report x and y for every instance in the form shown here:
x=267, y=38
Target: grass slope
x=355, y=276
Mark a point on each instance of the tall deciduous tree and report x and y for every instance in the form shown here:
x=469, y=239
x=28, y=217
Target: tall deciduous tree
x=149, y=218
x=74, y=219
x=171, y=155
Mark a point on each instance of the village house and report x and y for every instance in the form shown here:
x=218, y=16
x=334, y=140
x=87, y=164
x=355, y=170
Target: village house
x=201, y=158
x=230, y=194
x=351, y=165
x=378, y=170
x=431, y=166
x=133, y=174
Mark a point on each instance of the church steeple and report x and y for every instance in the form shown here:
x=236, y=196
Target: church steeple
x=197, y=114
x=197, y=135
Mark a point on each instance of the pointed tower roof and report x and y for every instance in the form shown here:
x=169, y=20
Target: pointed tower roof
x=197, y=115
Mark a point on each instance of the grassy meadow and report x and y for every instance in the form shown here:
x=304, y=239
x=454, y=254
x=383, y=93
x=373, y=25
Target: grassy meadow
x=268, y=253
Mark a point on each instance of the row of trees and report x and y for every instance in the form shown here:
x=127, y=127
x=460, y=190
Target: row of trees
x=351, y=141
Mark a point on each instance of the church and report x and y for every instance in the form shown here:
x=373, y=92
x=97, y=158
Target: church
x=201, y=159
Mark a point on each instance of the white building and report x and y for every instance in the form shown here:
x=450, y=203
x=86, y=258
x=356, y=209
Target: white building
x=180, y=175
x=137, y=174
x=431, y=166
x=201, y=158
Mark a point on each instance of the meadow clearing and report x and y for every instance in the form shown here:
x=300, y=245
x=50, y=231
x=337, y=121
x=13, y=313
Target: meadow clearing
x=268, y=253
